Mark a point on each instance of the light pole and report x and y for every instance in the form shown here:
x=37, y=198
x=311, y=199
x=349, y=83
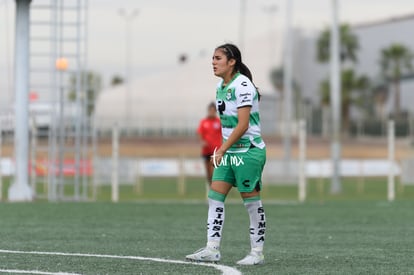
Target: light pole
x=335, y=96
x=61, y=66
x=287, y=83
x=128, y=17
x=8, y=55
x=20, y=189
x=271, y=11
x=242, y=24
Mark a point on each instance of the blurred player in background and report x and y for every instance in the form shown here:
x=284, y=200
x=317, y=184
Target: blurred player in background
x=240, y=159
x=209, y=132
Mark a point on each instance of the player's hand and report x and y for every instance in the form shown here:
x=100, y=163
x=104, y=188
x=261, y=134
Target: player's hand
x=217, y=157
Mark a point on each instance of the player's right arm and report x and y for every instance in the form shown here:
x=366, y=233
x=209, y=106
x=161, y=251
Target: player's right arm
x=243, y=115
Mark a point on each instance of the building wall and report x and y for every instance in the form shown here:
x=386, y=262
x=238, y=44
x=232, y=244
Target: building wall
x=372, y=38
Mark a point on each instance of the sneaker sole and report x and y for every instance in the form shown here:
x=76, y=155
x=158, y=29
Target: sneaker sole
x=201, y=261
x=259, y=263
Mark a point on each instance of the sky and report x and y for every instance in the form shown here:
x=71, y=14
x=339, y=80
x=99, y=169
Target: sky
x=164, y=29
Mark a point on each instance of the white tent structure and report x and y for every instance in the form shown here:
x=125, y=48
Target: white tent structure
x=169, y=100
x=174, y=101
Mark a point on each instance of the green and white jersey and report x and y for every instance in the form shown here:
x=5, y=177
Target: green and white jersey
x=240, y=92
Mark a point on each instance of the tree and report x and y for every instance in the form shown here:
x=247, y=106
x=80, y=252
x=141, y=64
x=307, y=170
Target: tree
x=276, y=78
x=277, y=81
x=395, y=61
x=353, y=92
x=380, y=95
x=348, y=45
x=117, y=80
x=350, y=82
x=91, y=84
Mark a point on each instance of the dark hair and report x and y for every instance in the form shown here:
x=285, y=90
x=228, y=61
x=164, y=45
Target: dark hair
x=211, y=105
x=232, y=52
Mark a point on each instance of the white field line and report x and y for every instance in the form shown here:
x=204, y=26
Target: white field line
x=18, y=271
x=226, y=270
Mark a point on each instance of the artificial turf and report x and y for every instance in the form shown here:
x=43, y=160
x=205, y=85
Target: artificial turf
x=320, y=237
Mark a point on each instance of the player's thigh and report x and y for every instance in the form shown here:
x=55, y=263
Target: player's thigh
x=221, y=187
x=248, y=172
x=223, y=179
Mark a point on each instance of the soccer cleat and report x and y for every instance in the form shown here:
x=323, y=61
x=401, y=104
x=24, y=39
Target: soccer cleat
x=254, y=258
x=205, y=254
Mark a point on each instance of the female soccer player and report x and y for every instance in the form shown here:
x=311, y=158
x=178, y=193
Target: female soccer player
x=209, y=131
x=240, y=159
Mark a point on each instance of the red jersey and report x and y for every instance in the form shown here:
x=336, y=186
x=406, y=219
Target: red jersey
x=210, y=131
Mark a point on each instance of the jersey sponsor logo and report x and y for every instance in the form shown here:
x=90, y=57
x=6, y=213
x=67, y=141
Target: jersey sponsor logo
x=231, y=160
x=246, y=97
x=262, y=225
x=221, y=106
x=244, y=83
x=217, y=223
x=245, y=94
x=246, y=183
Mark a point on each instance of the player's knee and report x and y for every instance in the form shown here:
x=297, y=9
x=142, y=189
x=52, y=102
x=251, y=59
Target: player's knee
x=246, y=195
x=221, y=187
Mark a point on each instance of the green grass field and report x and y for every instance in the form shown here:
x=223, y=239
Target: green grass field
x=341, y=237
x=318, y=190
x=357, y=232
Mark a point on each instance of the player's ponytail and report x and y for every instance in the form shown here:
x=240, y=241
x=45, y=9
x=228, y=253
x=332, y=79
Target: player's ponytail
x=244, y=70
x=232, y=52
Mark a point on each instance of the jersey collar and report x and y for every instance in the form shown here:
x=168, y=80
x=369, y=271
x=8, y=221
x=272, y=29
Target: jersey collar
x=228, y=84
